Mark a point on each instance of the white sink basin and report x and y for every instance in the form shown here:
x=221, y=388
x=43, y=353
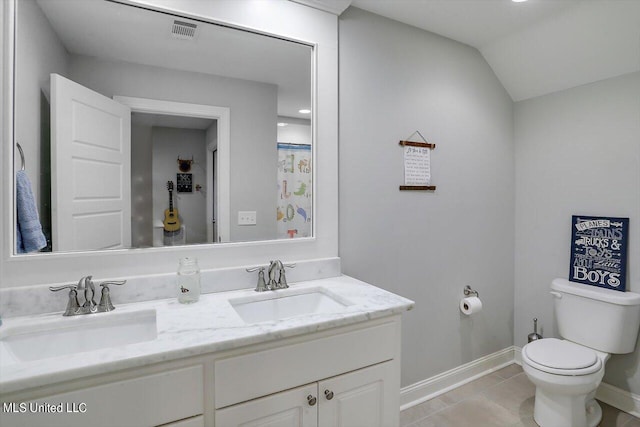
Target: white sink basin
x=69, y=335
x=284, y=304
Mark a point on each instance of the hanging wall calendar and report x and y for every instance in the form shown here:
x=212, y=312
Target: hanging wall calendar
x=417, y=164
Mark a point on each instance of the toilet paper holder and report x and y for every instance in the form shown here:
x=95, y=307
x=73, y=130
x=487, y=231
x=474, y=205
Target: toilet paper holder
x=468, y=291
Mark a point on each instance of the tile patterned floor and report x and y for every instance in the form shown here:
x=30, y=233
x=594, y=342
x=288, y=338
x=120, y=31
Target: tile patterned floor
x=501, y=399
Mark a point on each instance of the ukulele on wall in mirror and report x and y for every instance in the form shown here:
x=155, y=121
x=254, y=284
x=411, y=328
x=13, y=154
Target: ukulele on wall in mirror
x=171, y=221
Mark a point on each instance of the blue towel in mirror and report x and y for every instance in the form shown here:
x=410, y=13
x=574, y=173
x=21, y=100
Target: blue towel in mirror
x=29, y=235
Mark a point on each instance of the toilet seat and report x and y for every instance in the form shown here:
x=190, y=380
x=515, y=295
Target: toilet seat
x=560, y=357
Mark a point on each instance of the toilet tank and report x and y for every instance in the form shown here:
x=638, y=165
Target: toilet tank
x=598, y=318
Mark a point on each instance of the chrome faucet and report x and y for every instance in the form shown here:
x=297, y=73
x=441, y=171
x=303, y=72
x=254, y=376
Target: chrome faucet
x=276, y=269
x=275, y=272
x=86, y=284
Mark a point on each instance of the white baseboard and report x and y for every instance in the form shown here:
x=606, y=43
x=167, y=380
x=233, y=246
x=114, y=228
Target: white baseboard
x=422, y=391
x=620, y=399
x=517, y=355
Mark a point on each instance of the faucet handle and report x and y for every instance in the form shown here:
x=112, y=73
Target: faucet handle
x=261, y=286
x=105, y=303
x=282, y=279
x=112, y=282
x=59, y=288
x=73, y=306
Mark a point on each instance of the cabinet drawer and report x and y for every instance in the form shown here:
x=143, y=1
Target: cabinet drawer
x=241, y=378
x=144, y=401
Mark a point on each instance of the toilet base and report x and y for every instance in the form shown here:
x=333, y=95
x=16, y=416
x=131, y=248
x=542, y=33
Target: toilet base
x=556, y=410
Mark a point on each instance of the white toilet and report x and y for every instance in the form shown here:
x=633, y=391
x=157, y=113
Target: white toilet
x=594, y=323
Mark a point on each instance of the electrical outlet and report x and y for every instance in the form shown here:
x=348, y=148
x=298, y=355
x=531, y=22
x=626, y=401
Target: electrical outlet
x=246, y=217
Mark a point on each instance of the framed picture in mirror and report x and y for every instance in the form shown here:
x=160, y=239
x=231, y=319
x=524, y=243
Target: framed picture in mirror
x=185, y=182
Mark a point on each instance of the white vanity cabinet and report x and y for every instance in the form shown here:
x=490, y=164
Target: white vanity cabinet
x=343, y=376
x=365, y=397
x=348, y=378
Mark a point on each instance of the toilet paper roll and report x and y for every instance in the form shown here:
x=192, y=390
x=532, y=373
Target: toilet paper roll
x=470, y=305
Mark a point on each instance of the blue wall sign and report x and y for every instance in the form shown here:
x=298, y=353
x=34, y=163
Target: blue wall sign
x=599, y=251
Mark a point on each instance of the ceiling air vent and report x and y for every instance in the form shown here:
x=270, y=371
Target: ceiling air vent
x=183, y=30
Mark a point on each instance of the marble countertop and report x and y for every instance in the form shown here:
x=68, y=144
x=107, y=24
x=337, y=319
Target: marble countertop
x=208, y=326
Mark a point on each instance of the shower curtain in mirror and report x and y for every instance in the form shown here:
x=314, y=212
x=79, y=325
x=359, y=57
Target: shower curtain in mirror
x=294, y=190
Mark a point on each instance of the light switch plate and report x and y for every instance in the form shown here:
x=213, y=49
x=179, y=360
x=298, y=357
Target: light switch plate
x=246, y=217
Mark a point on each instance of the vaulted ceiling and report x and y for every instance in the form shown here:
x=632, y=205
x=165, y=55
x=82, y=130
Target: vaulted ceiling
x=534, y=47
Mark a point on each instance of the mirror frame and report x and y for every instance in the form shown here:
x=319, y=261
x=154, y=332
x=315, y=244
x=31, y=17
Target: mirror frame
x=276, y=18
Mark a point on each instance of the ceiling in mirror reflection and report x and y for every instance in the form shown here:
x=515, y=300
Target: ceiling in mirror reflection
x=117, y=52
x=105, y=30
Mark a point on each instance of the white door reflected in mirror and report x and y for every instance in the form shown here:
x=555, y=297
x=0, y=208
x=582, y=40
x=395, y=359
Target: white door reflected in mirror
x=90, y=168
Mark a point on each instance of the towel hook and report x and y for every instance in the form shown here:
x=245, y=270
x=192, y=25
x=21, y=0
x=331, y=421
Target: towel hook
x=21, y=155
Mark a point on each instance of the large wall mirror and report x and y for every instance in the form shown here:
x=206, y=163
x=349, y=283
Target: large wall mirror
x=138, y=129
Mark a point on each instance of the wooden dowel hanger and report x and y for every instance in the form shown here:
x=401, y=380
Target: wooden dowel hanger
x=417, y=144
x=417, y=188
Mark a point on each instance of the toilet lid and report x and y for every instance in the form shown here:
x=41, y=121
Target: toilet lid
x=557, y=354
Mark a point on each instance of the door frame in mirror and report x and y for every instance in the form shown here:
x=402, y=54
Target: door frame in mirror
x=275, y=18
x=223, y=116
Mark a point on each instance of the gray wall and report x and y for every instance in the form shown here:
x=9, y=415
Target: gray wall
x=168, y=145
x=577, y=152
x=253, y=125
x=39, y=52
x=394, y=80
x=296, y=132
x=141, y=185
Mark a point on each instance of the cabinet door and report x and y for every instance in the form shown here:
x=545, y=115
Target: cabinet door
x=367, y=397
x=292, y=408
